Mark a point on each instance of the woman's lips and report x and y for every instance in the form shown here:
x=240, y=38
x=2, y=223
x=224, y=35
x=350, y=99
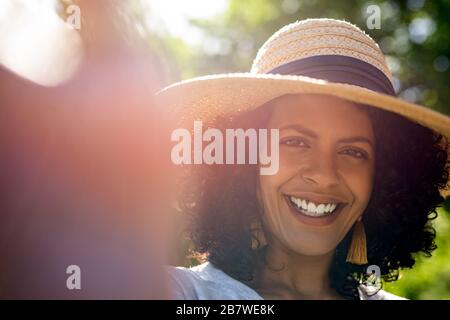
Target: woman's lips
x=314, y=221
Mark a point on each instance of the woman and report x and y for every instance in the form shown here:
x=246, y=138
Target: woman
x=359, y=179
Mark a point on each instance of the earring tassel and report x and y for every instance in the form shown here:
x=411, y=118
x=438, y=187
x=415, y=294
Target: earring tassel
x=357, y=253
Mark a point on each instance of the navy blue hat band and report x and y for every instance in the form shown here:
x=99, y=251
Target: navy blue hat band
x=341, y=69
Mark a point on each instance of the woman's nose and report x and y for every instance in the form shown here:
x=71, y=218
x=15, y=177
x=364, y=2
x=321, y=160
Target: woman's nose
x=320, y=170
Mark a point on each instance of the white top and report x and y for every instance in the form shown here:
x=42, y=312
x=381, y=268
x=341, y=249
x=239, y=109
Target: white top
x=206, y=282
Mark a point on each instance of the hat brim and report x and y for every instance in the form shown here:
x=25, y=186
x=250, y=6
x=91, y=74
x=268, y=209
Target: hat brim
x=206, y=98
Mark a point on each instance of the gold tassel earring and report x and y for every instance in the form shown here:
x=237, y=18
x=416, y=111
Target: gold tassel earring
x=258, y=237
x=357, y=253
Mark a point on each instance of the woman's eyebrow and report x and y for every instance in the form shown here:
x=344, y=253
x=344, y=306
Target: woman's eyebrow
x=357, y=139
x=300, y=129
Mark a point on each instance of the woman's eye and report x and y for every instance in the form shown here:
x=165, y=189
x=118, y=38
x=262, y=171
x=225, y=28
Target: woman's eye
x=294, y=142
x=355, y=153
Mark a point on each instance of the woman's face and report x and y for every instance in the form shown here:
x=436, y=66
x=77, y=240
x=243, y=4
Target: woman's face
x=324, y=181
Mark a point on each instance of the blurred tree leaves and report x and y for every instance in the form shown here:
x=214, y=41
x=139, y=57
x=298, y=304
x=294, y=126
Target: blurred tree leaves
x=430, y=277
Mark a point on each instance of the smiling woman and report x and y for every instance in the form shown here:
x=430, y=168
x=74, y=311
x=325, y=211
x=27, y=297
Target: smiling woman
x=327, y=161
x=319, y=169
x=252, y=228
x=359, y=179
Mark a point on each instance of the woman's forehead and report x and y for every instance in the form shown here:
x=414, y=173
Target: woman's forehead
x=319, y=113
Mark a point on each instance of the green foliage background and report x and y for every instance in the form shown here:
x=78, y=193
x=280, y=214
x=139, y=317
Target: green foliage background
x=430, y=277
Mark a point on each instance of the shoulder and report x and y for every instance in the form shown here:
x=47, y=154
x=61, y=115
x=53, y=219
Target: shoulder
x=205, y=281
x=181, y=283
x=366, y=293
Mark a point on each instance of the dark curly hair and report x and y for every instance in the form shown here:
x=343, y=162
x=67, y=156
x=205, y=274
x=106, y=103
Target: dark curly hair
x=411, y=165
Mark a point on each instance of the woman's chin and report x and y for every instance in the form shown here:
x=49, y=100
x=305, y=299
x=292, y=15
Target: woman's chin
x=313, y=247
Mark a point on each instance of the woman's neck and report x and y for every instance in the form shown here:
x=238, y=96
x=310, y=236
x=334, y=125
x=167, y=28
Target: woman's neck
x=286, y=275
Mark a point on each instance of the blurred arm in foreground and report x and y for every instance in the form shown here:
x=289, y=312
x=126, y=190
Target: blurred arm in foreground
x=83, y=173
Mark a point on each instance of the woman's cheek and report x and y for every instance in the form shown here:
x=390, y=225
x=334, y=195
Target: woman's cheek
x=358, y=175
x=290, y=162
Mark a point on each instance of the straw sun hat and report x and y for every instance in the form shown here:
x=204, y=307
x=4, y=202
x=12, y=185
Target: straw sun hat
x=321, y=56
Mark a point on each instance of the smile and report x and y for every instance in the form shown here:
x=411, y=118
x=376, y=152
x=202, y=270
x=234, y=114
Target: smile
x=313, y=209
x=324, y=210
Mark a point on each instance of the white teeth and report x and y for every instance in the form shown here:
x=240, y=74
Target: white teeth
x=304, y=205
x=320, y=209
x=313, y=209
